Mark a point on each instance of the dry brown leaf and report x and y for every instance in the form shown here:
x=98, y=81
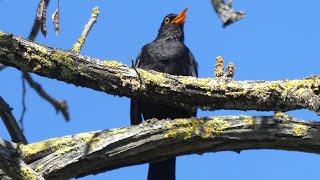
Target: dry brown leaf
x=56, y=19
x=41, y=16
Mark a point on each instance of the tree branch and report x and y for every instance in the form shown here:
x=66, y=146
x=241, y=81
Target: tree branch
x=153, y=140
x=189, y=92
x=87, y=28
x=12, y=166
x=60, y=106
x=11, y=123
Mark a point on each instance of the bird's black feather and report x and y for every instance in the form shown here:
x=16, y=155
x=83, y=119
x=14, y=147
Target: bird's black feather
x=168, y=54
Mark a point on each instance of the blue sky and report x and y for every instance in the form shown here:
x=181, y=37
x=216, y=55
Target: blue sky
x=277, y=40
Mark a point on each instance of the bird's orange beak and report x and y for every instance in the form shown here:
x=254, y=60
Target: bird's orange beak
x=181, y=17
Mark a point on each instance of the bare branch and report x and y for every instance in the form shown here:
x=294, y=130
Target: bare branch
x=153, y=140
x=11, y=123
x=87, y=28
x=60, y=106
x=122, y=80
x=24, y=107
x=226, y=13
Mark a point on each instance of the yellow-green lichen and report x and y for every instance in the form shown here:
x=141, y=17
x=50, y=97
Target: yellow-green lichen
x=157, y=78
x=26, y=174
x=282, y=115
x=57, y=145
x=300, y=130
x=203, y=83
x=249, y=120
x=62, y=58
x=86, y=137
x=183, y=128
x=36, y=68
x=214, y=126
x=119, y=75
x=118, y=131
x=112, y=63
x=237, y=93
x=2, y=33
x=299, y=85
x=95, y=12
x=40, y=49
x=78, y=45
x=64, y=150
x=39, y=168
x=52, y=145
x=186, y=128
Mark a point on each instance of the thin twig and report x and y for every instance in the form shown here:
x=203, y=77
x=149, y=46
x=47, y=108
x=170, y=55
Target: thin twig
x=138, y=74
x=24, y=107
x=78, y=45
x=11, y=123
x=59, y=105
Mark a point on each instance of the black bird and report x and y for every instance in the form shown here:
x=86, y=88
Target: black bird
x=168, y=54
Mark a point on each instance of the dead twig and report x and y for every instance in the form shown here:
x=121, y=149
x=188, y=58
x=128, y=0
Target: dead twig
x=78, y=45
x=60, y=106
x=24, y=107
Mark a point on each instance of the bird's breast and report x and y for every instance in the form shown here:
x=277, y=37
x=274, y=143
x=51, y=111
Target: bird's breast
x=167, y=57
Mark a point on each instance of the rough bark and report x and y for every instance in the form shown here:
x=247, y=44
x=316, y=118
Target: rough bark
x=119, y=79
x=11, y=165
x=95, y=152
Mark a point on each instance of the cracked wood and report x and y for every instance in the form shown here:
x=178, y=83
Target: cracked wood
x=153, y=140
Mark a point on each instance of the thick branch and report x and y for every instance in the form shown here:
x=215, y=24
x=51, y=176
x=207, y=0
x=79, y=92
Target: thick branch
x=12, y=166
x=119, y=79
x=153, y=140
x=11, y=123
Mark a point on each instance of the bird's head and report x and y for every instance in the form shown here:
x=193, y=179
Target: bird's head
x=172, y=27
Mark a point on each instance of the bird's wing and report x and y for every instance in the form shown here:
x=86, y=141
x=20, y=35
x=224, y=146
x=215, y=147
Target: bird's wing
x=194, y=65
x=135, y=108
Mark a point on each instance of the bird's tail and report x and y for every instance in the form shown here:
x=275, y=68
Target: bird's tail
x=163, y=170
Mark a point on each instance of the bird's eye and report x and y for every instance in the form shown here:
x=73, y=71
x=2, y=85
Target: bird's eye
x=167, y=20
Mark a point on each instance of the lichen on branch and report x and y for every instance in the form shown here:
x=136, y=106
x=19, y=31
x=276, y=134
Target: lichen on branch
x=116, y=78
x=154, y=140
